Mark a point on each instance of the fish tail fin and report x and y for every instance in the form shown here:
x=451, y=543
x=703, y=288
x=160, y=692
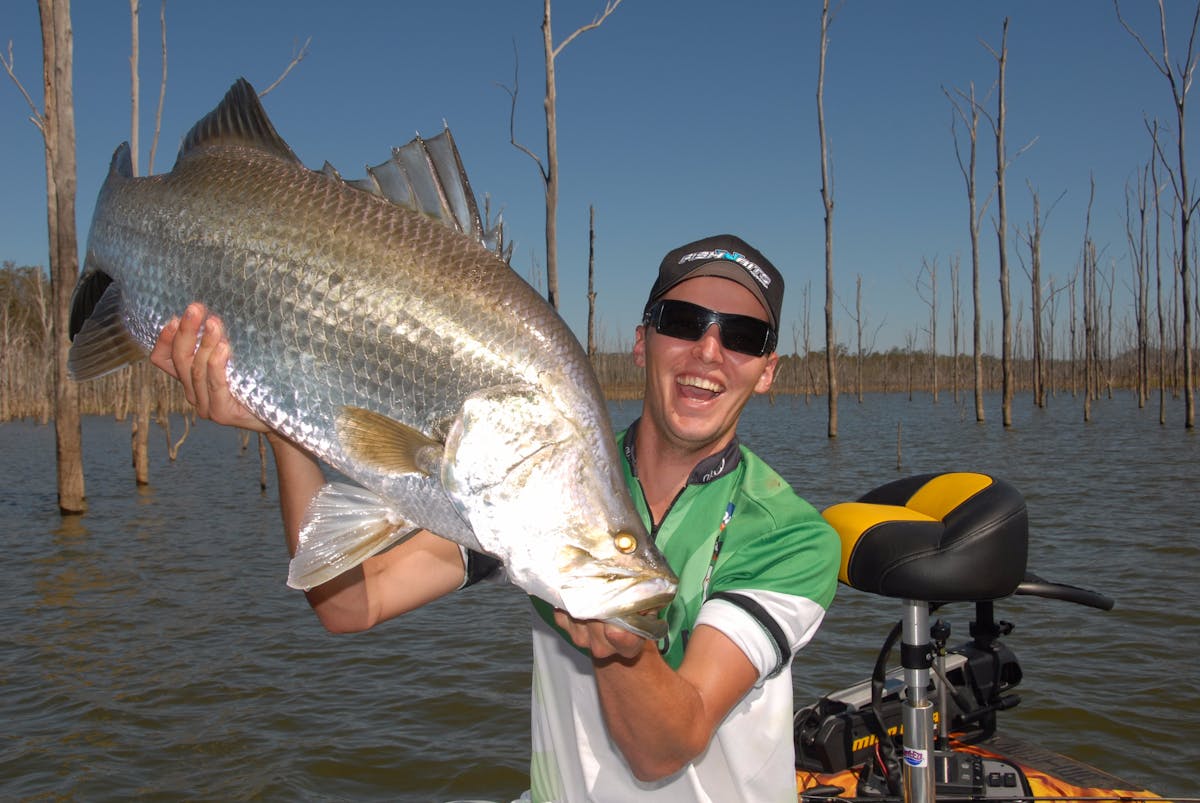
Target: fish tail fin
x=100, y=342
x=344, y=525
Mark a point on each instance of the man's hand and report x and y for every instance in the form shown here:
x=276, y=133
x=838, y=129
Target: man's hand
x=198, y=361
x=601, y=639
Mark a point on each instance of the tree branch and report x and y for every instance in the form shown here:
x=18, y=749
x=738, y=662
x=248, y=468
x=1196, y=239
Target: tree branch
x=512, y=116
x=609, y=8
x=37, y=119
x=297, y=57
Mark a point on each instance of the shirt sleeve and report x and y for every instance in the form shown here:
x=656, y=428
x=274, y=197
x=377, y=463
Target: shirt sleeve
x=767, y=626
x=478, y=567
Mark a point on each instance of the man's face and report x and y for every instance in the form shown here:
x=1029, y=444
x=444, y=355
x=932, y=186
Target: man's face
x=695, y=390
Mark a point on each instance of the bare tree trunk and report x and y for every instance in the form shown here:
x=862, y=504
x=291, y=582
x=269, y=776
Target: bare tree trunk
x=810, y=384
x=591, y=291
x=827, y=201
x=1162, y=329
x=1089, y=309
x=550, y=172
x=1141, y=287
x=858, y=323
x=975, y=215
x=1002, y=235
x=550, y=104
x=58, y=130
x=1179, y=77
x=140, y=434
x=930, y=269
x=910, y=348
x=1052, y=312
x=955, y=310
x=1033, y=240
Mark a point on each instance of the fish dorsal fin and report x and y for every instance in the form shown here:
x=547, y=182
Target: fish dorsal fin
x=427, y=176
x=239, y=119
x=122, y=162
x=386, y=444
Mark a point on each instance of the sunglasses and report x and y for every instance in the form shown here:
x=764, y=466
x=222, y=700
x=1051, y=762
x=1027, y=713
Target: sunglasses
x=741, y=333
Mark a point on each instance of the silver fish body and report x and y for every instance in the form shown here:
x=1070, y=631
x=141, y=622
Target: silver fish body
x=397, y=349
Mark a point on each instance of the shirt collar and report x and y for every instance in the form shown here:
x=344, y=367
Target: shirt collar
x=708, y=469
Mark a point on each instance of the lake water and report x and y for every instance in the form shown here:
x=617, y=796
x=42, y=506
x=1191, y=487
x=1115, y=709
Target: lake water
x=151, y=649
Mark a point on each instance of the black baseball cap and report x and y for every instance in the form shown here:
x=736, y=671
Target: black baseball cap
x=730, y=258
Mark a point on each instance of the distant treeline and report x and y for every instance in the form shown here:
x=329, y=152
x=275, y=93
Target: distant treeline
x=26, y=376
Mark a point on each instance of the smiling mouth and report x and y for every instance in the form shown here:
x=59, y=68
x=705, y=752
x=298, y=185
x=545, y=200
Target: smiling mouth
x=700, y=383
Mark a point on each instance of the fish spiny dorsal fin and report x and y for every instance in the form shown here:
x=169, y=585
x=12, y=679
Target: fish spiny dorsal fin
x=427, y=176
x=239, y=119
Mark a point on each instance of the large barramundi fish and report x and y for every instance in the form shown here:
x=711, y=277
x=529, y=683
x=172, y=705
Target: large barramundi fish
x=369, y=323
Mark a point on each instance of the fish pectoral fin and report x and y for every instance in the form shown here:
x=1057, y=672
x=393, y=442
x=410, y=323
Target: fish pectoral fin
x=101, y=343
x=386, y=444
x=343, y=526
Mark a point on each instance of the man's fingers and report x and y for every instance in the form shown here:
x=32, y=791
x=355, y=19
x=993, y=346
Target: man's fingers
x=160, y=355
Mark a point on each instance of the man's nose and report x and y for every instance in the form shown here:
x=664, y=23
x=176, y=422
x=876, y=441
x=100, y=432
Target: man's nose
x=709, y=345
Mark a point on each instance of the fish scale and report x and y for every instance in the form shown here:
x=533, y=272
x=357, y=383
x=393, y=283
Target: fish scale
x=388, y=343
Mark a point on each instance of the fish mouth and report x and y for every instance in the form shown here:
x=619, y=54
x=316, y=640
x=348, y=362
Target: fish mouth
x=644, y=620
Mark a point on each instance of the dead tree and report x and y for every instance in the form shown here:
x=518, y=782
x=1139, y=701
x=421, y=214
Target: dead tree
x=1179, y=77
x=1089, y=309
x=140, y=427
x=927, y=278
x=810, y=379
x=970, y=118
x=1051, y=314
x=998, y=124
x=591, y=291
x=1136, y=236
x=1033, y=241
x=56, y=121
x=549, y=168
x=863, y=345
x=955, y=311
x=1162, y=329
x=827, y=202
x=1072, y=286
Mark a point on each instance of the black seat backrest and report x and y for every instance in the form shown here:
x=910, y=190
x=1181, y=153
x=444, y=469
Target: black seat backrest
x=951, y=537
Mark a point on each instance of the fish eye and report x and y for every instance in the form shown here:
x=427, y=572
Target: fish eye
x=625, y=543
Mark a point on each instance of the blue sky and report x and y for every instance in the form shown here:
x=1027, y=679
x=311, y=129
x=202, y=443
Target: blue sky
x=676, y=119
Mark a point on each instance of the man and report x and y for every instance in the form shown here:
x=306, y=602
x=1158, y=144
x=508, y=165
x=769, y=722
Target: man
x=704, y=715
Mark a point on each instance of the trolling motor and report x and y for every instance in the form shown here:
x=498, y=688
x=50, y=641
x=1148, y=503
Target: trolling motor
x=929, y=540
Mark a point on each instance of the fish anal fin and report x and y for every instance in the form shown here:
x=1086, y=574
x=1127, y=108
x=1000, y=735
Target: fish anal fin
x=239, y=119
x=387, y=444
x=343, y=526
x=101, y=344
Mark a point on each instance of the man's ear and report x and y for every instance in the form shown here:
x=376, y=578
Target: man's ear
x=767, y=377
x=639, y=346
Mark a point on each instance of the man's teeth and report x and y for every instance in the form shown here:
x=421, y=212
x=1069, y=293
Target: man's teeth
x=698, y=382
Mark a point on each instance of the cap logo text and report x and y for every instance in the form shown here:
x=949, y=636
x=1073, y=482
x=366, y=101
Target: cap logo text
x=720, y=253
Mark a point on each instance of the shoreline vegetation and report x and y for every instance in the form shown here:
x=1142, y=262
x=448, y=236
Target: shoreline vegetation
x=1117, y=362
x=27, y=392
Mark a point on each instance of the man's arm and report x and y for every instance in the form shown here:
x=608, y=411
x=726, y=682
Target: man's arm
x=417, y=571
x=659, y=718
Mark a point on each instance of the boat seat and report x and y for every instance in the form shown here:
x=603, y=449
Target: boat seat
x=949, y=537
